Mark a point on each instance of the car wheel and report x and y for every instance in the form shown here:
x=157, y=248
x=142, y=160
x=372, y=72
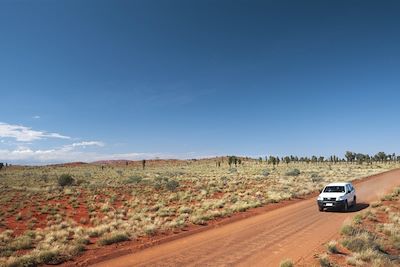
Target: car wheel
x=320, y=208
x=354, y=202
x=346, y=206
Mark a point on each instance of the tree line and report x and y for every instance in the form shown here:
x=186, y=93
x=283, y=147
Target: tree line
x=350, y=157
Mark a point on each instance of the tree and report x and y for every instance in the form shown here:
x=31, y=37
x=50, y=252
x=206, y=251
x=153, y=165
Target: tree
x=350, y=156
x=272, y=160
x=314, y=159
x=360, y=158
x=143, y=164
x=1, y=165
x=286, y=160
x=231, y=160
x=380, y=156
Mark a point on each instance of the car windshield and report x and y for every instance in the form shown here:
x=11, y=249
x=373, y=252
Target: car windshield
x=334, y=189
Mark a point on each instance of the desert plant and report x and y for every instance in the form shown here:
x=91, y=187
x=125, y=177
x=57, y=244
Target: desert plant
x=113, y=238
x=332, y=247
x=293, y=172
x=65, y=180
x=172, y=185
x=286, y=263
x=324, y=261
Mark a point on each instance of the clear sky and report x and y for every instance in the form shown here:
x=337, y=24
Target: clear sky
x=89, y=80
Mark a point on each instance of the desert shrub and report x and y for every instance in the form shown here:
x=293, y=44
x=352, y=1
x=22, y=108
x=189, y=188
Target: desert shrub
x=50, y=257
x=265, y=173
x=77, y=250
x=361, y=242
x=315, y=178
x=348, y=230
x=185, y=209
x=293, y=172
x=232, y=170
x=332, y=247
x=22, y=242
x=134, y=179
x=113, y=238
x=172, y=185
x=358, y=219
x=65, y=180
x=286, y=263
x=150, y=229
x=324, y=261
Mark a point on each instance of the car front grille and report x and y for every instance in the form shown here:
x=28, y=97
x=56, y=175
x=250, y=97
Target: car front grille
x=329, y=199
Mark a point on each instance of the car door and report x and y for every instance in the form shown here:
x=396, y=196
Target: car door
x=350, y=194
x=353, y=193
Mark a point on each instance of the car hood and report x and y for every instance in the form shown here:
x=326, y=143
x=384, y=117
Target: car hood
x=329, y=195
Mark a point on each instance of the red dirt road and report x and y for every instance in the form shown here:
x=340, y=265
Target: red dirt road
x=294, y=231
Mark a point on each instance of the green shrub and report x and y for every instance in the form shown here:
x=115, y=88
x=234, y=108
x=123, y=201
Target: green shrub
x=50, y=257
x=172, y=185
x=113, y=238
x=293, y=172
x=265, y=173
x=65, y=180
x=348, y=230
x=332, y=247
x=22, y=242
x=286, y=263
x=134, y=179
x=324, y=261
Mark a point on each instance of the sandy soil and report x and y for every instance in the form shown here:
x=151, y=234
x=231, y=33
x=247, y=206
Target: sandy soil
x=294, y=231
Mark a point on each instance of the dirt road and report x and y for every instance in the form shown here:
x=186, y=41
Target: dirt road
x=294, y=231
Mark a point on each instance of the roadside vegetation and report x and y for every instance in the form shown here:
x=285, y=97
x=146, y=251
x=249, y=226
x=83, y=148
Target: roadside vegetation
x=372, y=238
x=50, y=214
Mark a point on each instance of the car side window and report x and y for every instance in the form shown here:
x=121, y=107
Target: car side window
x=348, y=189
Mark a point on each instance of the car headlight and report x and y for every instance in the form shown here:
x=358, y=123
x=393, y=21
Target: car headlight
x=340, y=198
x=320, y=198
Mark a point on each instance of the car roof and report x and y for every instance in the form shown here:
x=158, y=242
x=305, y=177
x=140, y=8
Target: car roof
x=338, y=184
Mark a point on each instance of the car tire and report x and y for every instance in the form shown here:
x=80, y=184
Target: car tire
x=354, y=202
x=346, y=206
x=320, y=208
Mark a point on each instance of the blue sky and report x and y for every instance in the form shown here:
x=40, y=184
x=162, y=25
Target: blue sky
x=89, y=80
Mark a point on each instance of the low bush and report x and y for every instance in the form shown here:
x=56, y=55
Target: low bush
x=113, y=238
x=286, y=263
x=348, y=230
x=332, y=247
x=134, y=179
x=172, y=185
x=65, y=180
x=293, y=172
x=324, y=261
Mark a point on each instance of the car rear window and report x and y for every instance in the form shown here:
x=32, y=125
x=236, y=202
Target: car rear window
x=334, y=189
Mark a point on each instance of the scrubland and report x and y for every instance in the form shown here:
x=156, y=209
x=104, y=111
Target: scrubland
x=42, y=222
x=372, y=238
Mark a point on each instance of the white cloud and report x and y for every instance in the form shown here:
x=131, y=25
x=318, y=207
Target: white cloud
x=88, y=143
x=36, y=117
x=66, y=154
x=25, y=134
x=83, y=144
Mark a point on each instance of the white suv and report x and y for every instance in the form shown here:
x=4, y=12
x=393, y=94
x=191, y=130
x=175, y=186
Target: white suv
x=337, y=195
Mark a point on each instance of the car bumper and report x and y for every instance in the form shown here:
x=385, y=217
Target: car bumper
x=339, y=204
